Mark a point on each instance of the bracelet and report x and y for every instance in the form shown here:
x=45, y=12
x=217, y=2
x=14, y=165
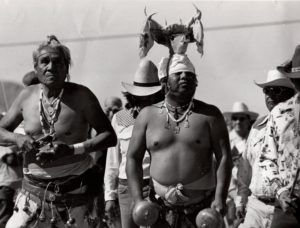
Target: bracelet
x=79, y=148
x=281, y=190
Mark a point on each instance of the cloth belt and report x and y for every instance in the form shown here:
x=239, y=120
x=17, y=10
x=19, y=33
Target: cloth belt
x=266, y=200
x=125, y=181
x=65, y=184
x=56, y=198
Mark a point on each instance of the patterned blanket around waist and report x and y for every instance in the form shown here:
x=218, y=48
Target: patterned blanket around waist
x=41, y=194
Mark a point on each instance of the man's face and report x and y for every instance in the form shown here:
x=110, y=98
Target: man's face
x=51, y=67
x=182, y=82
x=111, y=110
x=241, y=123
x=276, y=94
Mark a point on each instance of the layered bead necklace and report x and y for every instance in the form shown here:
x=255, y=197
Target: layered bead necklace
x=49, y=111
x=176, y=118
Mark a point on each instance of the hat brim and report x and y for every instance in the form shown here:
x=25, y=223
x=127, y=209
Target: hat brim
x=253, y=115
x=140, y=90
x=284, y=82
x=286, y=70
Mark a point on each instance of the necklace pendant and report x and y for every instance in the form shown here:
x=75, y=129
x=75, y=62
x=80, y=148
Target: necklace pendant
x=160, y=111
x=167, y=125
x=176, y=129
x=186, y=124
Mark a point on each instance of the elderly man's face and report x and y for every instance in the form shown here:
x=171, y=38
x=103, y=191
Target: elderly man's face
x=182, y=82
x=51, y=67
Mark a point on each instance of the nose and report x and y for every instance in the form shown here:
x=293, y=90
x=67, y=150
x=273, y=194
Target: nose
x=183, y=75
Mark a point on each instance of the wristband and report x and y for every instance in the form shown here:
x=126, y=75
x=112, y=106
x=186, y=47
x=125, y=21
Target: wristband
x=280, y=191
x=78, y=148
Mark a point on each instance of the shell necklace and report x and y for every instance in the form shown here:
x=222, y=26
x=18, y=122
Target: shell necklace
x=49, y=114
x=185, y=116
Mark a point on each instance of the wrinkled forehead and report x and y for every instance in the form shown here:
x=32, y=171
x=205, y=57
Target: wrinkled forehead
x=49, y=51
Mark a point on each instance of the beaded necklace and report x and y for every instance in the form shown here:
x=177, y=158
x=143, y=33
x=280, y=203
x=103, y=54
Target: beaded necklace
x=49, y=115
x=184, y=116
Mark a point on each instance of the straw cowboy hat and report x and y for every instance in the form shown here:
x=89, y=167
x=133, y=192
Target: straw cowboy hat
x=145, y=81
x=291, y=68
x=241, y=108
x=276, y=78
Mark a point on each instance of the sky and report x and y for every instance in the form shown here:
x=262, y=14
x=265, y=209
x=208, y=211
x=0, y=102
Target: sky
x=242, y=41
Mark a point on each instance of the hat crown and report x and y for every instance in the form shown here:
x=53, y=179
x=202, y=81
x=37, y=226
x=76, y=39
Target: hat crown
x=146, y=73
x=275, y=75
x=296, y=58
x=239, y=107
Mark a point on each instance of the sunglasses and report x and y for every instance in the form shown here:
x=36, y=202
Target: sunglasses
x=276, y=90
x=240, y=118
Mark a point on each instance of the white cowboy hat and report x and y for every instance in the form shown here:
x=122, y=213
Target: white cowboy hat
x=241, y=108
x=145, y=80
x=291, y=68
x=276, y=78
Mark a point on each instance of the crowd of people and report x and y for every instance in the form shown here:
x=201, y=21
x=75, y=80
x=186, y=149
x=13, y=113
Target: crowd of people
x=165, y=159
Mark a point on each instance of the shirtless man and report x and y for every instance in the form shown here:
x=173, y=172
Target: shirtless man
x=183, y=136
x=59, y=164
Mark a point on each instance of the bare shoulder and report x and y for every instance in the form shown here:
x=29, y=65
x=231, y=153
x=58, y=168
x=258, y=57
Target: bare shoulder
x=79, y=94
x=149, y=112
x=77, y=89
x=26, y=93
x=209, y=110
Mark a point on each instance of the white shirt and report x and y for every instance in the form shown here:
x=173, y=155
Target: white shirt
x=116, y=156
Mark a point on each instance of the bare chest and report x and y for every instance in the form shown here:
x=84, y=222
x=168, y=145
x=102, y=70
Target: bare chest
x=193, y=132
x=69, y=125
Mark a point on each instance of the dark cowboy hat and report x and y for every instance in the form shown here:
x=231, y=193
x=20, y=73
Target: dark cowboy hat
x=291, y=68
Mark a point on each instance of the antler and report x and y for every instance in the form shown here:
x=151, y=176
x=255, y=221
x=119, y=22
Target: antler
x=152, y=31
x=198, y=31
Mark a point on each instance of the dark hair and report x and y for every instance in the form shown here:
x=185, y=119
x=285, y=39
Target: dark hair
x=130, y=99
x=30, y=78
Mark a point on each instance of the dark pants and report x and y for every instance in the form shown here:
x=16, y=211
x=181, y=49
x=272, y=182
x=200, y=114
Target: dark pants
x=6, y=204
x=283, y=220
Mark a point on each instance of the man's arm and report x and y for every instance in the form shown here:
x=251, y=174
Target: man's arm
x=111, y=178
x=244, y=174
x=10, y=122
x=221, y=148
x=269, y=157
x=106, y=137
x=135, y=155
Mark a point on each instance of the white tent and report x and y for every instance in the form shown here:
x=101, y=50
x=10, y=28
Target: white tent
x=8, y=92
x=243, y=40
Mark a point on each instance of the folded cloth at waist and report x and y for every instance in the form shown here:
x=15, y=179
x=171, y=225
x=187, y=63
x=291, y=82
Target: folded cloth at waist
x=173, y=195
x=54, y=197
x=121, y=181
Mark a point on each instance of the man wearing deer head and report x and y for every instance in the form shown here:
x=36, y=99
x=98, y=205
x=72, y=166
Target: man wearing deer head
x=57, y=116
x=183, y=136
